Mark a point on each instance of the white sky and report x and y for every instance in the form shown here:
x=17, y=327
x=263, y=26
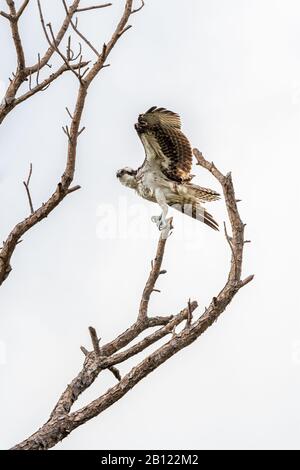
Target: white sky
x=232, y=70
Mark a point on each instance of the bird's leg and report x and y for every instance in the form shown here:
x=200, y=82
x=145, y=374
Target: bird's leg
x=161, y=220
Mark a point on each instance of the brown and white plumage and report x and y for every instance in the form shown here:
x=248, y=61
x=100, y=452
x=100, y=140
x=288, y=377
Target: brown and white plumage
x=161, y=128
x=165, y=176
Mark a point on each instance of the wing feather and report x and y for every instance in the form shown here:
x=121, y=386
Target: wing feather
x=162, y=116
x=176, y=150
x=160, y=130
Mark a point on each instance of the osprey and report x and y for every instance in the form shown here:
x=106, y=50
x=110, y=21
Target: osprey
x=165, y=177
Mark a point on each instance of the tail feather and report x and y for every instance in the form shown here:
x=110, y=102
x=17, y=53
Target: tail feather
x=201, y=194
x=187, y=198
x=196, y=211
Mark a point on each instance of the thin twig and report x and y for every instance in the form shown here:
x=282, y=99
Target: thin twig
x=81, y=131
x=74, y=26
x=73, y=189
x=60, y=53
x=26, y=184
x=5, y=15
x=67, y=132
x=38, y=70
x=138, y=9
x=70, y=53
x=79, y=53
x=95, y=340
x=30, y=82
x=59, y=37
x=95, y=7
x=124, y=30
x=189, y=315
x=246, y=280
x=84, y=350
x=45, y=83
x=67, y=109
x=22, y=73
x=22, y=8
x=52, y=42
x=115, y=372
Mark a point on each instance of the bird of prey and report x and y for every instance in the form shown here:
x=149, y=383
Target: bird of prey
x=164, y=176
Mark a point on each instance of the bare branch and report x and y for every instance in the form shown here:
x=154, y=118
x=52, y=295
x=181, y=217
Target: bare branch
x=95, y=340
x=79, y=54
x=46, y=83
x=73, y=189
x=23, y=72
x=95, y=7
x=138, y=9
x=155, y=272
x=66, y=131
x=107, y=48
x=68, y=64
x=38, y=70
x=84, y=350
x=26, y=184
x=22, y=8
x=5, y=15
x=84, y=379
x=67, y=109
x=246, y=280
x=79, y=33
x=15, y=33
x=29, y=175
x=81, y=131
x=234, y=217
x=59, y=37
x=124, y=30
x=189, y=315
x=30, y=82
x=115, y=372
x=151, y=339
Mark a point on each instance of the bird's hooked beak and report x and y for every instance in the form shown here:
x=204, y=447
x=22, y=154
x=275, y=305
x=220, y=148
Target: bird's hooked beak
x=119, y=173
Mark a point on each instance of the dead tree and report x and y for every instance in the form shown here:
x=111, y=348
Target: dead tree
x=63, y=420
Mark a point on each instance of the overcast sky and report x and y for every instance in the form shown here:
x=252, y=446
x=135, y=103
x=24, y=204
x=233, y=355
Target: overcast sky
x=231, y=69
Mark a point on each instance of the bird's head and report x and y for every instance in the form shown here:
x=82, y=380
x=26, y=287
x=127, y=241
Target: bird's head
x=127, y=176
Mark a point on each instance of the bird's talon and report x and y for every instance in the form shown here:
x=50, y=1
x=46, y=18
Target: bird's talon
x=156, y=219
x=160, y=222
x=162, y=226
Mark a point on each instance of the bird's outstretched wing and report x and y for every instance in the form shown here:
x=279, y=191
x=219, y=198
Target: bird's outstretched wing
x=160, y=132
